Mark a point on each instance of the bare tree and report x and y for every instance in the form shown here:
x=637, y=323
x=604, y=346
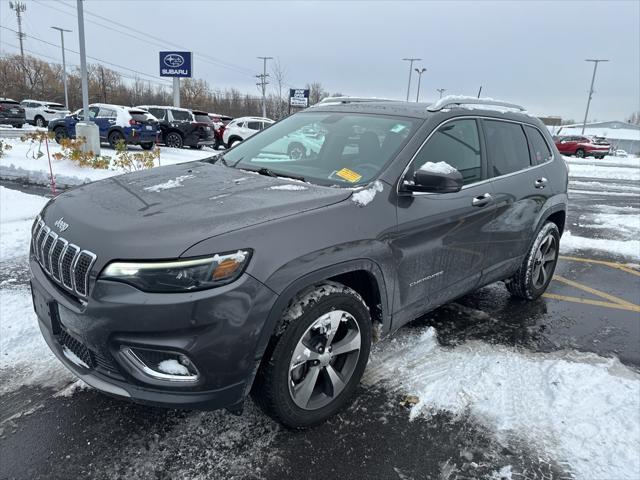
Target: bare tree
x=279, y=103
x=634, y=118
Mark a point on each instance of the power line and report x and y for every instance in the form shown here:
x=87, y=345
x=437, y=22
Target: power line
x=88, y=56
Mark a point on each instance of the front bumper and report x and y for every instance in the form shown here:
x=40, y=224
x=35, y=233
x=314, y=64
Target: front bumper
x=217, y=329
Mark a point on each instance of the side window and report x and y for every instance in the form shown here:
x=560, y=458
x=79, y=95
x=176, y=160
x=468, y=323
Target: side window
x=456, y=143
x=507, y=147
x=106, y=113
x=157, y=112
x=254, y=125
x=539, y=149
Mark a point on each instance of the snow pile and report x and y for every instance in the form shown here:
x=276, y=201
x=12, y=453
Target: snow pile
x=18, y=164
x=287, y=187
x=17, y=212
x=626, y=248
x=579, y=408
x=589, y=170
x=175, y=183
x=363, y=197
x=172, y=367
x=439, y=167
x=25, y=358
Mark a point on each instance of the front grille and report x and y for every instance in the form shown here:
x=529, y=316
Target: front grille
x=82, y=352
x=66, y=263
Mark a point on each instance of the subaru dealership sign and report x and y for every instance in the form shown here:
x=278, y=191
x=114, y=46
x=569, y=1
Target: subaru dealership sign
x=175, y=64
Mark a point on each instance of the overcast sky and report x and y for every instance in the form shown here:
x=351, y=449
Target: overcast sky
x=526, y=52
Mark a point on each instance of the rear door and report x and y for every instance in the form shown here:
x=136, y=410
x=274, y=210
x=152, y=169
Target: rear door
x=519, y=183
x=442, y=239
x=105, y=119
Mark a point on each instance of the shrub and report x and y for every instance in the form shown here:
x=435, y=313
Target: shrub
x=4, y=147
x=72, y=150
x=131, y=162
x=36, y=139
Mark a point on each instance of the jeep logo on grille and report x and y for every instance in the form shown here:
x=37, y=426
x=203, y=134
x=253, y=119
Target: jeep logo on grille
x=61, y=224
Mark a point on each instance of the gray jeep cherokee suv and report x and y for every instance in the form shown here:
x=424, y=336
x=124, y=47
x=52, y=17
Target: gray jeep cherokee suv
x=260, y=271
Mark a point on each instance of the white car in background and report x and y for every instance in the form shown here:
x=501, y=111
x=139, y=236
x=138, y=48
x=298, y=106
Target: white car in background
x=620, y=153
x=39, y=112
x=242, y=128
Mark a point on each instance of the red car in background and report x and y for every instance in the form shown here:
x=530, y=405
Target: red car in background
x=219, y=122
x=581, y=146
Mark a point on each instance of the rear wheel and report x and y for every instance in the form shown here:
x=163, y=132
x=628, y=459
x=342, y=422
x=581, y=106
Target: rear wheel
x=173, y=140
x=314, y=366
x=147, y=145
x=580, y=153
x=534, y=275
x=59, y=134
x=115, y=137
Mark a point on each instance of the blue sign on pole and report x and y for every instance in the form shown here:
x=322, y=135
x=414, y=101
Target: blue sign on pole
x=175, y=64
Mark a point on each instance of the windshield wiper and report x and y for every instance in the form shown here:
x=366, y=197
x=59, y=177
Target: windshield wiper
x=270, y=173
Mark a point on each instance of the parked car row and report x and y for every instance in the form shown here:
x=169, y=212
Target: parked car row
x=34, y=112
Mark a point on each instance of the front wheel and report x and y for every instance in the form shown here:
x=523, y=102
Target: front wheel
x=40, y=122
x=114, y=138
x=313, y=368
x=580, y=153
x=534, y=275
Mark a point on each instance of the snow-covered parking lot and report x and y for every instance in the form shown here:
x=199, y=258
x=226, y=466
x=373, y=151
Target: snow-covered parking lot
x=487, y=387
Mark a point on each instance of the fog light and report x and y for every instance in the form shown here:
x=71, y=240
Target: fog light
x=161, y=364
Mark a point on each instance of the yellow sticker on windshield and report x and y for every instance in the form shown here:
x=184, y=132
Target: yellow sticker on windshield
x=349, y=175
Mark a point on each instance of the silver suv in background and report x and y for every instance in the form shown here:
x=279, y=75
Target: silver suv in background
x=242, y=128
x=40, y=112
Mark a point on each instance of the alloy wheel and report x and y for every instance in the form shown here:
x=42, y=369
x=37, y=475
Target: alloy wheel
x=324, y=360
x=544, y=261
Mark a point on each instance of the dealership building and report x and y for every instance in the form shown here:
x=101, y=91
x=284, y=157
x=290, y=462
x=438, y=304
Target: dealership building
x=621, y=135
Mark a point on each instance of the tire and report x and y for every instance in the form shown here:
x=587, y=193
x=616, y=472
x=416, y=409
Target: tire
x=147, y=145
x=115, y=137
x=296, y=151
x=40, y=122
x=173, y=140
x=59, y=134
x=580, y=153
x=233, y=141
x=527, y=282
x=301, y=393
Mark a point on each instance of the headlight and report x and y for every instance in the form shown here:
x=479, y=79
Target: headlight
x=180, y=275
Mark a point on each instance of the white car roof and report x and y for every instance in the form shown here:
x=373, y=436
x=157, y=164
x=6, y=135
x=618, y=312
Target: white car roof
x=165, y=106
x=259, y=119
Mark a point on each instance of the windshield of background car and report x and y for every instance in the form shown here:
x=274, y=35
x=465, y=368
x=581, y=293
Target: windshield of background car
x=327, y=148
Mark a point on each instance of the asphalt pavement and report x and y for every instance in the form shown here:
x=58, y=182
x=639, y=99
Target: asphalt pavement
x=591, y=306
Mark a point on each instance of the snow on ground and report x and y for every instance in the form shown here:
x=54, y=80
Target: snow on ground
x=18, y=163
x=17, y=211
x=578, y=408
x=592, y=170
x=627, y=248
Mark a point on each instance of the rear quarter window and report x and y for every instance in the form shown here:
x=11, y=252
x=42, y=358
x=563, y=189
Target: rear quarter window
x=202, y=118
x=507, y=147
x=540, y=152
x=181, y=115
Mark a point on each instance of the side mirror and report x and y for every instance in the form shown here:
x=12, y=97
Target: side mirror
x=435, y=182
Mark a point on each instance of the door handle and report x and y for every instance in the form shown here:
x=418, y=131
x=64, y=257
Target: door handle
x=540, y=183
x=482, y=200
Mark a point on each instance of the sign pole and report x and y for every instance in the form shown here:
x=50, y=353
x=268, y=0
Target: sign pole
x=176, y=91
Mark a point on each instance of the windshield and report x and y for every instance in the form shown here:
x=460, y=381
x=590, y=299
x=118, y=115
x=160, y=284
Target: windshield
x=327, y=148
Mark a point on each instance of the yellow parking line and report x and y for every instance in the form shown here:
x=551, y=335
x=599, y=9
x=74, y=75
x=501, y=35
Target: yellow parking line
x=599, y=303
x=593, y=291
x=619, y=266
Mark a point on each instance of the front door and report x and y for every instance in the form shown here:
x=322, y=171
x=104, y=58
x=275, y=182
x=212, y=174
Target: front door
x=442, y=239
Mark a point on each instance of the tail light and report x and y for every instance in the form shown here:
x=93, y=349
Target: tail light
x=134, y=122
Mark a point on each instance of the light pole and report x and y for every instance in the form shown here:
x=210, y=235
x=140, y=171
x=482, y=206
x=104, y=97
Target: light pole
x=593, y=78
x=410, y=60
x=86, y=128
x=263, y=83
x=64, y=66
x=441, y=91
x=419, y=71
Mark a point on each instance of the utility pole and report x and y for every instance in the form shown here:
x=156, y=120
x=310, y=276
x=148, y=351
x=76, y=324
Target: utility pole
x=263, y=83
x=19, y=8
x=86, y=128
x=441, y=91
x=410, y=60
x=593, y=78
x=64, y=66
x=419, y=71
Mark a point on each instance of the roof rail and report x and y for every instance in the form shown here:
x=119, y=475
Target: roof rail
x=352, y=100
x=458, y=100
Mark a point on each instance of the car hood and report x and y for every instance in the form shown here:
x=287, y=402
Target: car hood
x=161, y=212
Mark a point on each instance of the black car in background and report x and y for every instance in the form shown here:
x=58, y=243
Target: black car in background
x=11, y=113
x=179, y=127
